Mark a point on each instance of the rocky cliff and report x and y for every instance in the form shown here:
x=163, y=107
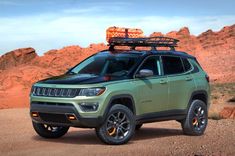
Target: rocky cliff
x=17, y=57
x=22, y=67
x=214, y=50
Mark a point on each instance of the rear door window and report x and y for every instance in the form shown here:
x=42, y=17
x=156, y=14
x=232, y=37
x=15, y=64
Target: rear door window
x=172, y=65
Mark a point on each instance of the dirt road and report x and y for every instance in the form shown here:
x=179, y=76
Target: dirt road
x=17, y=137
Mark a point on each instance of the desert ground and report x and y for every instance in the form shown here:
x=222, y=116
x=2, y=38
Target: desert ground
x=20, y=68
x=17, y=137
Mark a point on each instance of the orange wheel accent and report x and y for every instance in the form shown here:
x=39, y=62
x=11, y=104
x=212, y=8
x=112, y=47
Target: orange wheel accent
x=112, y=132
x=195, y=121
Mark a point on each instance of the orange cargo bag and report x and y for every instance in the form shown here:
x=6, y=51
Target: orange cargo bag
x=123, y=32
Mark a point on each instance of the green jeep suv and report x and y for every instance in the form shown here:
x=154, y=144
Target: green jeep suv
x=117, y=90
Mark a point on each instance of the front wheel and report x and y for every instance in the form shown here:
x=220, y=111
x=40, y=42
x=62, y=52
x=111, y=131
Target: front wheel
x=49, y=131
x=196, y=120
x=118, y=127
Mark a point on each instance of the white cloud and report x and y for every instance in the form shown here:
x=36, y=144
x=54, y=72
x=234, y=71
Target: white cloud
x=49, y=31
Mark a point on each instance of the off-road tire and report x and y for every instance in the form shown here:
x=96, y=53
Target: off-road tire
x=193, y=116
x=103, y=133
x=47, y=131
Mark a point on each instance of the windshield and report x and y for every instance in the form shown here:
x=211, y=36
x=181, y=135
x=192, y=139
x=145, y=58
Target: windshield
x=106, y=64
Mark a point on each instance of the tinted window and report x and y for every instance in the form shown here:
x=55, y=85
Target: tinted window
x=187, y=65
x=172, y=65
x=106, y=64
x=152, y=63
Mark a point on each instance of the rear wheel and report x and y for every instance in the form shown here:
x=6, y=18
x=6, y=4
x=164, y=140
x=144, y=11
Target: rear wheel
x=118, y=127
x=196, y=120
x=48, y=131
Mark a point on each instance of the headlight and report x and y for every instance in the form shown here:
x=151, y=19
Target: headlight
x=91, y=91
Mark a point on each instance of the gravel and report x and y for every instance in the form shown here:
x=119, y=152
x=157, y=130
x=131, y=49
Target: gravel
x=17, y=137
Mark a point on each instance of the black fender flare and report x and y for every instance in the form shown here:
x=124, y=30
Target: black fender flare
x=196, y=93
x=118, y=97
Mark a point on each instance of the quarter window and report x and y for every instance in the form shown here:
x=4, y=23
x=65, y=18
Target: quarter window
x=187, y=65
x=172, y=65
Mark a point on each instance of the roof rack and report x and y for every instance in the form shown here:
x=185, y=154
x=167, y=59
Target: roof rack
x=153, y=42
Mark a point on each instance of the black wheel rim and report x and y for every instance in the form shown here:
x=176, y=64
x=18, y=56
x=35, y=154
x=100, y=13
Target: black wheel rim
x=199, y=118
x=52, y=129
x=118, y=125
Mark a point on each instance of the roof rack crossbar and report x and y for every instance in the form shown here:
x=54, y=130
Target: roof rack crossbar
x=144, y=42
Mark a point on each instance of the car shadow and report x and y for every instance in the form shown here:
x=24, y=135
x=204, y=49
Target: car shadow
x=89, y=137
x=150, y=133
x=74, y=137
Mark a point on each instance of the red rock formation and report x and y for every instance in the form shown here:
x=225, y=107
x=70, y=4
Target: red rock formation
x=156, y=34
x=67, y=57
x=17, y=57
x=228, y=113
x=22, y=67
x=214, y=50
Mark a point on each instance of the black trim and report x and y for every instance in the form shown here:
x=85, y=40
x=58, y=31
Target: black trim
x=177, y=114
x=161, y=65
x=115, y=97
x=51, y=103
x=148, y=53
x=196, y=93
x=50, y=112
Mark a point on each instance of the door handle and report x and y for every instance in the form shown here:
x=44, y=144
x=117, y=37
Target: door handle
x=163, y=81
x=188, y=78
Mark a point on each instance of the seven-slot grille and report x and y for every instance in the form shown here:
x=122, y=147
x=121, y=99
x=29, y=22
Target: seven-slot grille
x=55, y=92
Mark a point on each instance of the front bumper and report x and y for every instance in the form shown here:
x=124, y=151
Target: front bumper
x=58, y=114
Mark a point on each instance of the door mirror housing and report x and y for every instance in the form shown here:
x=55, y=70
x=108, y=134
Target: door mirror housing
x=144, y=73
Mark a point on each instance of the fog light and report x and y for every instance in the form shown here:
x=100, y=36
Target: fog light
x=34, y=114
x=71, y=117
x=89, y=106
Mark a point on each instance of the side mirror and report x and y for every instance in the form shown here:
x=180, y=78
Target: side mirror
x=144, y=73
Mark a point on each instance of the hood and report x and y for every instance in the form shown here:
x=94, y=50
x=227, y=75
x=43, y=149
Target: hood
x=77, y=79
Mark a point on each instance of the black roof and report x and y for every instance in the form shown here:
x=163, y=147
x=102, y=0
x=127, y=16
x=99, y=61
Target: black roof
x=173, y=52
x=151, y=52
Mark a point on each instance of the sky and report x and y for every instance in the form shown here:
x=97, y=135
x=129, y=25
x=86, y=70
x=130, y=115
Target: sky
x=53, y=24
